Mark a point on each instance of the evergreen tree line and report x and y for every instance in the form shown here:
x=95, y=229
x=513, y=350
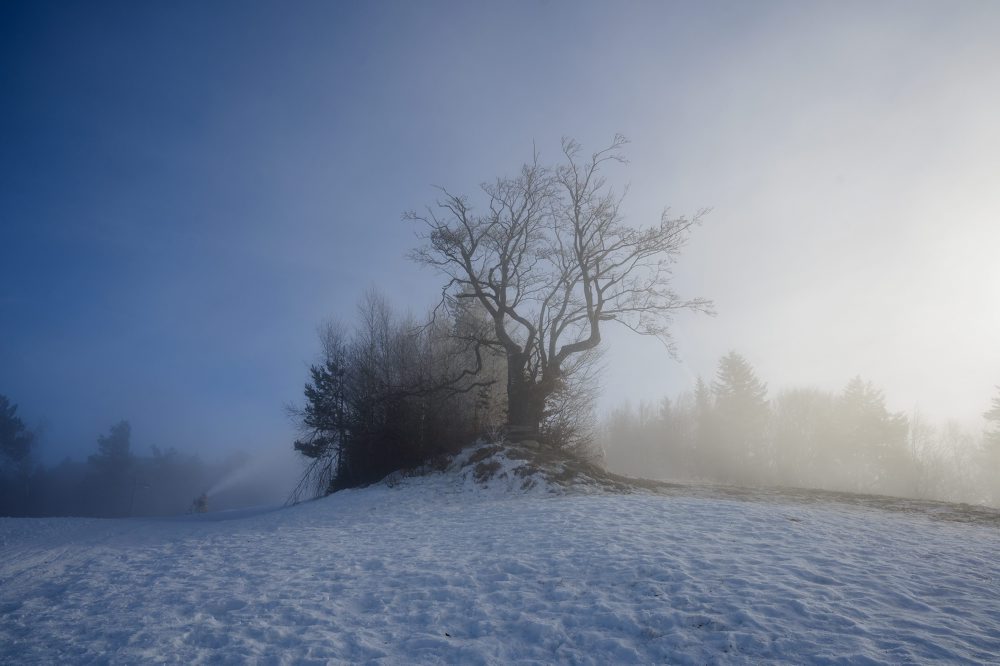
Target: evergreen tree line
x=732, y=431
x=113, y=482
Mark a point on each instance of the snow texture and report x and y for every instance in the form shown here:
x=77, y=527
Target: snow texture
x=440, y=569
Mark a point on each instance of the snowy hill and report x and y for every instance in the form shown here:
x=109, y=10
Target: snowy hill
x=496, y=561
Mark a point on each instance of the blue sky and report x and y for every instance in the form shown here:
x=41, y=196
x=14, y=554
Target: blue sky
x=188, y=189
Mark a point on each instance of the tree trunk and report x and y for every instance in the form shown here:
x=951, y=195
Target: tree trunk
x=525, y=405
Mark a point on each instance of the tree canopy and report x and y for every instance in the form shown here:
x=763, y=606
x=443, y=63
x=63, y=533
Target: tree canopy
x=550, y=259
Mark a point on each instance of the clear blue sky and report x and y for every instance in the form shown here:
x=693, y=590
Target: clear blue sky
x=188, y=189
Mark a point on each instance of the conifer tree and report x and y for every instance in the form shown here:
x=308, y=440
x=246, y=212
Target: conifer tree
x=113, y=477
x=873, y=438
x=15, y=438
x=742, y=411
x=16, y=442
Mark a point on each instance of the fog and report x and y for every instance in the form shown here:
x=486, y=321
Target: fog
x=119, y=480
x=188, y=191
x=732, y=429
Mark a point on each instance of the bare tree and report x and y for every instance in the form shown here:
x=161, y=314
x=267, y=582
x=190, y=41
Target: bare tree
x=550, y=260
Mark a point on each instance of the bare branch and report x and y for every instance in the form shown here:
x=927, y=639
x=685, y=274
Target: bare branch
x=550, y=260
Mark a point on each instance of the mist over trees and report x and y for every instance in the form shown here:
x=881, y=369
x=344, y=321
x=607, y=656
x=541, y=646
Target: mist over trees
x=111, y=471
x=992, y=416
x=534, y=269
x=113, y=482
x=991, y=445
x=531, y=277
x=732, y=431
x=392, y=393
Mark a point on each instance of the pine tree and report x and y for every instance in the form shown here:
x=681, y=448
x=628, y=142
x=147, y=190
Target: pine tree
x=325, y=418
x=113, y=470
x=16, y=442
x=114, y=454
x=736, y=386
x=873, y=439
x=742, y=412
x=15, y=438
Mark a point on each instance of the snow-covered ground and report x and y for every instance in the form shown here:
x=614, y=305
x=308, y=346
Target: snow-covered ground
x=437, y=570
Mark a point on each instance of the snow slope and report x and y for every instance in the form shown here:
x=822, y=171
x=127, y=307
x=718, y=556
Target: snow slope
x=439, y=570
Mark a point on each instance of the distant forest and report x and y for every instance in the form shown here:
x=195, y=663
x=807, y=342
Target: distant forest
x=113, y=482
x=730, y=430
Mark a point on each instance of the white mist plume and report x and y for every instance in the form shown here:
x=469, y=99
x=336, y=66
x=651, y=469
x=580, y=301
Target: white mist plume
x=265, y=469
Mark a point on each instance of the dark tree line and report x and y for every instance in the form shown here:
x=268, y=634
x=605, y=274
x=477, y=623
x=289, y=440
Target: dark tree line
x=113, y=482
x=732, y=431
x=392, y=394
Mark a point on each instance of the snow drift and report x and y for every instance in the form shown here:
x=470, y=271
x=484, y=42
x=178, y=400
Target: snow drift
x=502, y=558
